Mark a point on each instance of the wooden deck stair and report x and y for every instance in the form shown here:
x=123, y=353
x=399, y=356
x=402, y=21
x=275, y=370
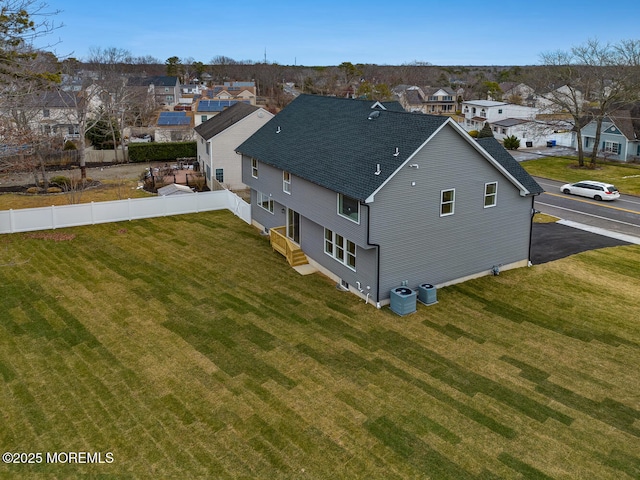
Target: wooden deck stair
x=283, y=245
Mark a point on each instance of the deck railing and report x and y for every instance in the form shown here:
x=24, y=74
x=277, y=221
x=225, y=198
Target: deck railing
x=283, y=245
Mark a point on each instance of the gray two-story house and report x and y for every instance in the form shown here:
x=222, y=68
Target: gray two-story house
x=376, y=197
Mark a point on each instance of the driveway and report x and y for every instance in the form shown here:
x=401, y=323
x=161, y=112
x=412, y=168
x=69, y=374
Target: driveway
x=552, y=241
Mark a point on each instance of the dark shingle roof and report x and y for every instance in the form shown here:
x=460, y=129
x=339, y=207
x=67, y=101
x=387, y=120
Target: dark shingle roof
x=335, y=142
x=157, y=80
x=224, y=120
x=504, y=158
x=332, y=142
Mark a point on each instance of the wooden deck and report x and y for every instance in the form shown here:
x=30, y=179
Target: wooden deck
x=283, y=245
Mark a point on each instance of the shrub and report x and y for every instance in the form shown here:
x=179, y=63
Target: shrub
x=511, y=143
x=69, y=145
x=486, y=131
x=54, y=190
x=147, y=152
x=33, y=190
x=474, y=133
x=60, y=180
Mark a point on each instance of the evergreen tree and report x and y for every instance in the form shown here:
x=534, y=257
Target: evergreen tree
x=486, y=131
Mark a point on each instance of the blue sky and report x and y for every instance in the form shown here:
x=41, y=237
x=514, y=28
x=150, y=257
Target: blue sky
x=329, y=32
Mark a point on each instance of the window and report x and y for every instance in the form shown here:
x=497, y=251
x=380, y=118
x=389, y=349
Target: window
x=254, y=168
x=447, y=202
x=504, y=131
x=349, y=208
x=265, y=201
x=611, y=147
x=286, y=182
x=46, y=113
x=448, y=98
x=208, y=148
x=483, y=113
x=341, y=249
x=500, y=111
x=490, y=194
x=203, y=118
x=220, y=175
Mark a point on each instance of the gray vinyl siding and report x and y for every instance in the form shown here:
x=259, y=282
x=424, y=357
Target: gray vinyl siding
x=318, y=209
x=308, y=199
x=312, y=243
x=419, y=246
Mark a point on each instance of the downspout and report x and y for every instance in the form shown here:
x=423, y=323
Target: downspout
x=533, y=214
x=377, y=256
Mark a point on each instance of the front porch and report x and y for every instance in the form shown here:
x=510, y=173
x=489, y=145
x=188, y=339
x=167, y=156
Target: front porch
x=285, y=246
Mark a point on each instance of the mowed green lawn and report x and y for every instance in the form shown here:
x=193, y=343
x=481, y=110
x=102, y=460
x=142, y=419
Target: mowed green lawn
x=186, y=348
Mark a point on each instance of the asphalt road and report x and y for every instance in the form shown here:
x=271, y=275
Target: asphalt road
x=619, y=218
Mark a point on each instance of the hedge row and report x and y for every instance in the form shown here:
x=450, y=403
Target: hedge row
x=148, y=152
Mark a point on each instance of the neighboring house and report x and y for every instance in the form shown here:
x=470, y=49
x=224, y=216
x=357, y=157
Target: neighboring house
x=534, y=133
x=518, y=93
x=217, y=139
x=477, y=112
x=619, y=136
x=435, y=101
x=174, y=127
x=239, y=91
x=375, y=197
x=205, y=109
x=165, y=90
x=192, y=89
x=54, y=113
x=549, y=102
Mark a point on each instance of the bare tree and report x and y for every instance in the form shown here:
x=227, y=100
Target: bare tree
x=591, y=81
x=117, y=98
x=25, y=73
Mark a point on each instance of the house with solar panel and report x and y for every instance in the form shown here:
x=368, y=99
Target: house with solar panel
x=233, y=91
x=376, y=198
x=217, y=139
x=174, y=127
x=207, y=108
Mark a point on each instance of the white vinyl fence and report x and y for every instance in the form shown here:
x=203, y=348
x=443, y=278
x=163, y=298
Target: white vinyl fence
x=47, y=218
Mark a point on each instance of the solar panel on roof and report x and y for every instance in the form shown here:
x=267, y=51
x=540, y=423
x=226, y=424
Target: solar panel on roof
x=174, y=118
x=215, y=105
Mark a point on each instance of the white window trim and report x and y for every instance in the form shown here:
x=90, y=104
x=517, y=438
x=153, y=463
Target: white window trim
x=254, y=168
x=346, y=216
x=452, y=202
x=333, y=253
x=612, y=147
x=286, y=182
x=493, y=195
x=260, y=199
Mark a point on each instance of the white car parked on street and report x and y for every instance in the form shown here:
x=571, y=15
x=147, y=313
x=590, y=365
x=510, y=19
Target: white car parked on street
x=591, y=189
